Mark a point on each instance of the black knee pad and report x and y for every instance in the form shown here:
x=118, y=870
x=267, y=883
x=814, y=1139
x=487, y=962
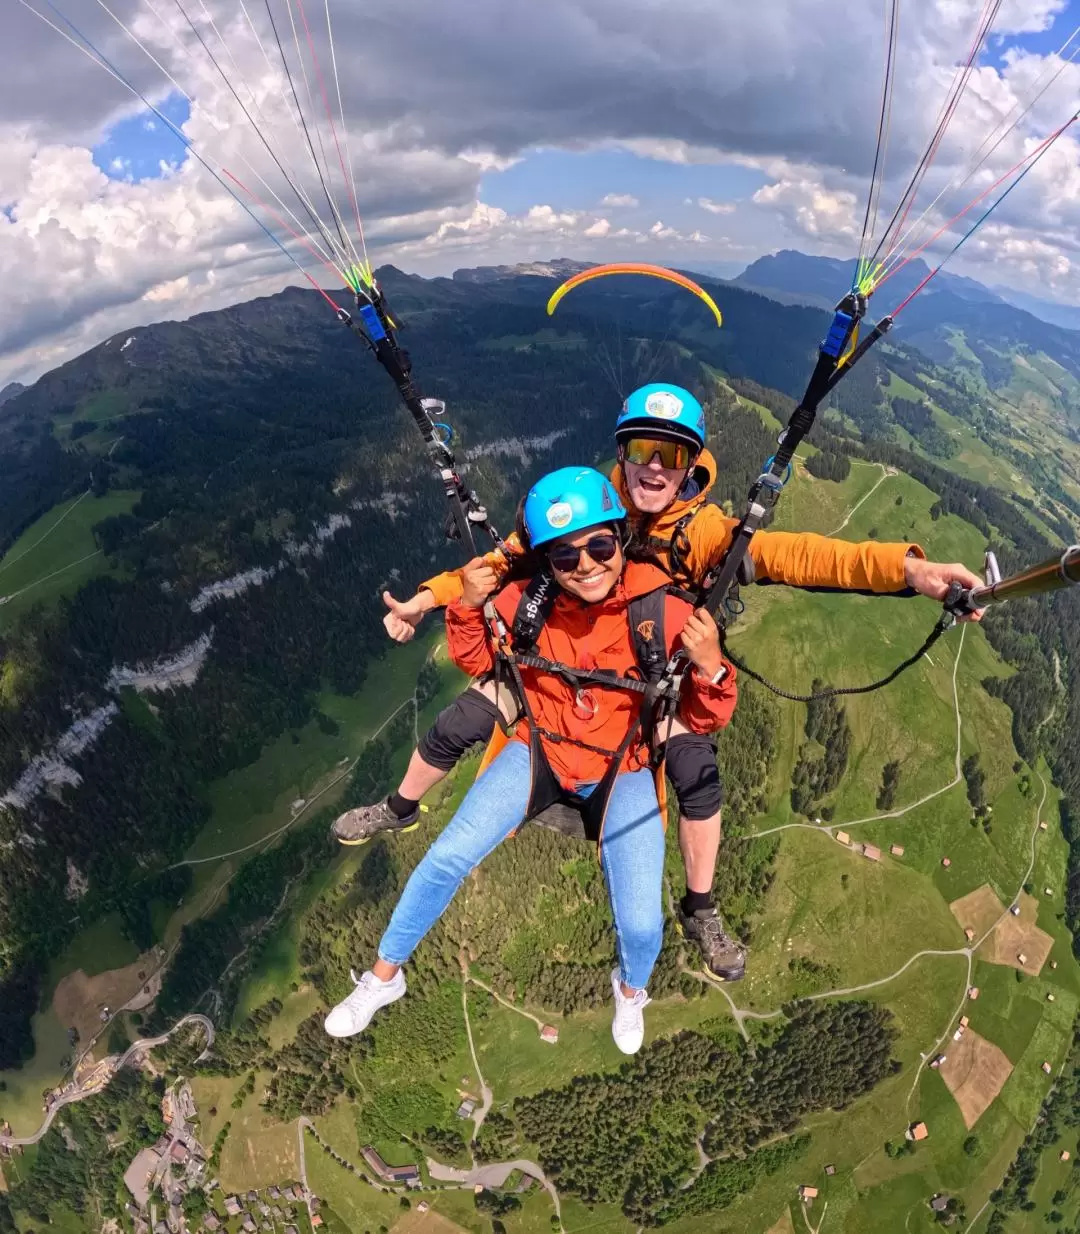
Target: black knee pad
x=468, y=720
x=692, y=770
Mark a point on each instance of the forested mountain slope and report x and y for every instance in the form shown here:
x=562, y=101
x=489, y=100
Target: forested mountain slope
x=276, y=487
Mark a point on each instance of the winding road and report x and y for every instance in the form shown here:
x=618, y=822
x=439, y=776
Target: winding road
x=78, y=1094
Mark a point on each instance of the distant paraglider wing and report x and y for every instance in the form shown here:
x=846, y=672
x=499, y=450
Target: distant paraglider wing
x=633, y=267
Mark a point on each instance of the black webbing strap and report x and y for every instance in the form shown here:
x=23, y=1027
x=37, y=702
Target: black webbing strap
x=943, y=623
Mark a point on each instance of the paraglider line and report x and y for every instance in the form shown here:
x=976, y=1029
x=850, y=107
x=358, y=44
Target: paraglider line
x=303, y=121
x=329, y=110
x=993, y=206
x=880, y=146
x=304, y=240
x=982, y=154
x=345, y=137
x=180, y=89
x=960, y=80
x=106, y=63
x=242, y=105
x=1032, y=158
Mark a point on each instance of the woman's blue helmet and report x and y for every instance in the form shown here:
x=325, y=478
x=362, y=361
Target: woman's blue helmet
x=570, y=500
x=665, y=411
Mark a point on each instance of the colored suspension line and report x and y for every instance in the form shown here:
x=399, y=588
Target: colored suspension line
x=978, y=222
x=329, y=114
x=94, y=53
x=877, y=174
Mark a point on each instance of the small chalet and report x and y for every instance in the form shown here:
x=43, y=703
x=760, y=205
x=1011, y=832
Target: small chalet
x=550, y=1034
x=917, y=1131
x=939, y=1203
x=973, y=992
x=871, y=852
x=969, y=933
x=1021, y=958
x=842, y=837
x=897, y=850
x=964, y=1021
x=807, y=1194
x=946, y=862
x=830, y=1170
x=1064, y=1155
x=1047, y=1068
x=232, y=1206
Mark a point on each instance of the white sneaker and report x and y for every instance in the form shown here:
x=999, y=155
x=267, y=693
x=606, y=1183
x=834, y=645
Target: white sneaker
x=353, y=1014
x=628, y=1027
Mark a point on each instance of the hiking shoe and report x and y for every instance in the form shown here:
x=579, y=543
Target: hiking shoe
x=353, y=1014
x=359, y=825
x=723, y=956
x=628, y=1026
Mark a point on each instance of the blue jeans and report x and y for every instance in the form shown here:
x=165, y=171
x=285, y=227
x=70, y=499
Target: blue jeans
x=632, y=855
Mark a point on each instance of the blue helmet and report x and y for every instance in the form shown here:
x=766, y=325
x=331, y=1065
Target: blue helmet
x=663, y=410
x=568, y=500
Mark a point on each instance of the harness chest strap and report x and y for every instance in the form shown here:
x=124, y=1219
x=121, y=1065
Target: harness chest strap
x=514, y=650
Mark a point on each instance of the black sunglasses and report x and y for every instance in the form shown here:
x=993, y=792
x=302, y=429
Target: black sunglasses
x=601, y=548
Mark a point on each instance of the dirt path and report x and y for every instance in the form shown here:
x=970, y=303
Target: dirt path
x=830, y=828
x=486, y=1094
x=886, y=472
x=41, y=539
x=508, y=1005
x=273, y=835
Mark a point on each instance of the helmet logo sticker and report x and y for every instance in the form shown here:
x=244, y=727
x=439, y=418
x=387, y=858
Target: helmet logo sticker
x=664, y=405
x=605, y=502
x=560, y=514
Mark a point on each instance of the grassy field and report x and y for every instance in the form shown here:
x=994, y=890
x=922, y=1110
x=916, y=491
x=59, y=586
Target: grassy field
x=254, y=801
x=58, y=553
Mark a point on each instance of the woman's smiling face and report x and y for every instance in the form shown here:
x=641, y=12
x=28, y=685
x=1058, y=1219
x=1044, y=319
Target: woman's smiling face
x=592, y=577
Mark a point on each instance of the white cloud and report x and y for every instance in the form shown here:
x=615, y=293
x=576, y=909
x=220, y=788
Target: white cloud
x=812, y=209
x=716, y=207
x=435, y=103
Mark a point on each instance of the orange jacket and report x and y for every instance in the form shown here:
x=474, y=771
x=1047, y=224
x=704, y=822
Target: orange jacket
x=590, y=636
x=800, y=559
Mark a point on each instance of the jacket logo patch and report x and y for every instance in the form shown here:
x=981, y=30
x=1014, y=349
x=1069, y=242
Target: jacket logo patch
x=647, y=629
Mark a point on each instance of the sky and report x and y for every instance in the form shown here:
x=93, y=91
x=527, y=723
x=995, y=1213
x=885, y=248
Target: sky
x=696, y=133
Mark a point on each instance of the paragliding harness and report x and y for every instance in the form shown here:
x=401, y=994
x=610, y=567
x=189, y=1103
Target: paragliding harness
x=549, y=803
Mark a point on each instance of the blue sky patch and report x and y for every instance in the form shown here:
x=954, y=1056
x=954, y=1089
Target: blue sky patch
x=1044, y=43
x=566, y=180
x=135, y=147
